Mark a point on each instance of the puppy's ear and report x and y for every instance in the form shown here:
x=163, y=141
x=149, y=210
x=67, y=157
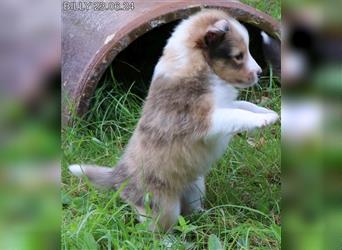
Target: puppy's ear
x=216, y=32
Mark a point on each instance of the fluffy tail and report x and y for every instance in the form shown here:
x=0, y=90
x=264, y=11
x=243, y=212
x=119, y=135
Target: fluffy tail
x=102, y=177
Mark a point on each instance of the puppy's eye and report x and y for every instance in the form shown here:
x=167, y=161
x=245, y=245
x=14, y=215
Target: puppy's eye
x=239, y=56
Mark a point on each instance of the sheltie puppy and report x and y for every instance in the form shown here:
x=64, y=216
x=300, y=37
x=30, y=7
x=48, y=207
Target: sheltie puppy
x=188, y=118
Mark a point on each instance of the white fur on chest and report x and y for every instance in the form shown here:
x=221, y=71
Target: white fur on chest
x=224, y=95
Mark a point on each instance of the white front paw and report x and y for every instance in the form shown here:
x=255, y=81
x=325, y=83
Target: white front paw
x=266, y=111
x=266, y=119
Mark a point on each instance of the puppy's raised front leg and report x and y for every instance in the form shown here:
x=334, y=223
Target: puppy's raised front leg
x=232, y=121
x=251, y=107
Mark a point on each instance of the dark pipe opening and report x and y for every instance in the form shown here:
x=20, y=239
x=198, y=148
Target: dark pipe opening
x=136, y=63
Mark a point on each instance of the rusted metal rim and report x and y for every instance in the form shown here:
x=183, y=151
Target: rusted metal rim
x=165, y=13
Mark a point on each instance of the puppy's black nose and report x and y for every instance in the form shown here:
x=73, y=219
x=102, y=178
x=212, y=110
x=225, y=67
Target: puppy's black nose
x=259, y=72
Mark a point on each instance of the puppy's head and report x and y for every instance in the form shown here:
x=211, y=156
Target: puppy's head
x=226, y=48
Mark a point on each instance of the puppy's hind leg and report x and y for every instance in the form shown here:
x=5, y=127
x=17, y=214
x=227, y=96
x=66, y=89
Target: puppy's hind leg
x=193, y=197
x=142, y=215
x=166, y=211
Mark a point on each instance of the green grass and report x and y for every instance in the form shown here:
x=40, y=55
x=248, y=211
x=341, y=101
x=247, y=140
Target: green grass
x=271, y=7
x=243, y=188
